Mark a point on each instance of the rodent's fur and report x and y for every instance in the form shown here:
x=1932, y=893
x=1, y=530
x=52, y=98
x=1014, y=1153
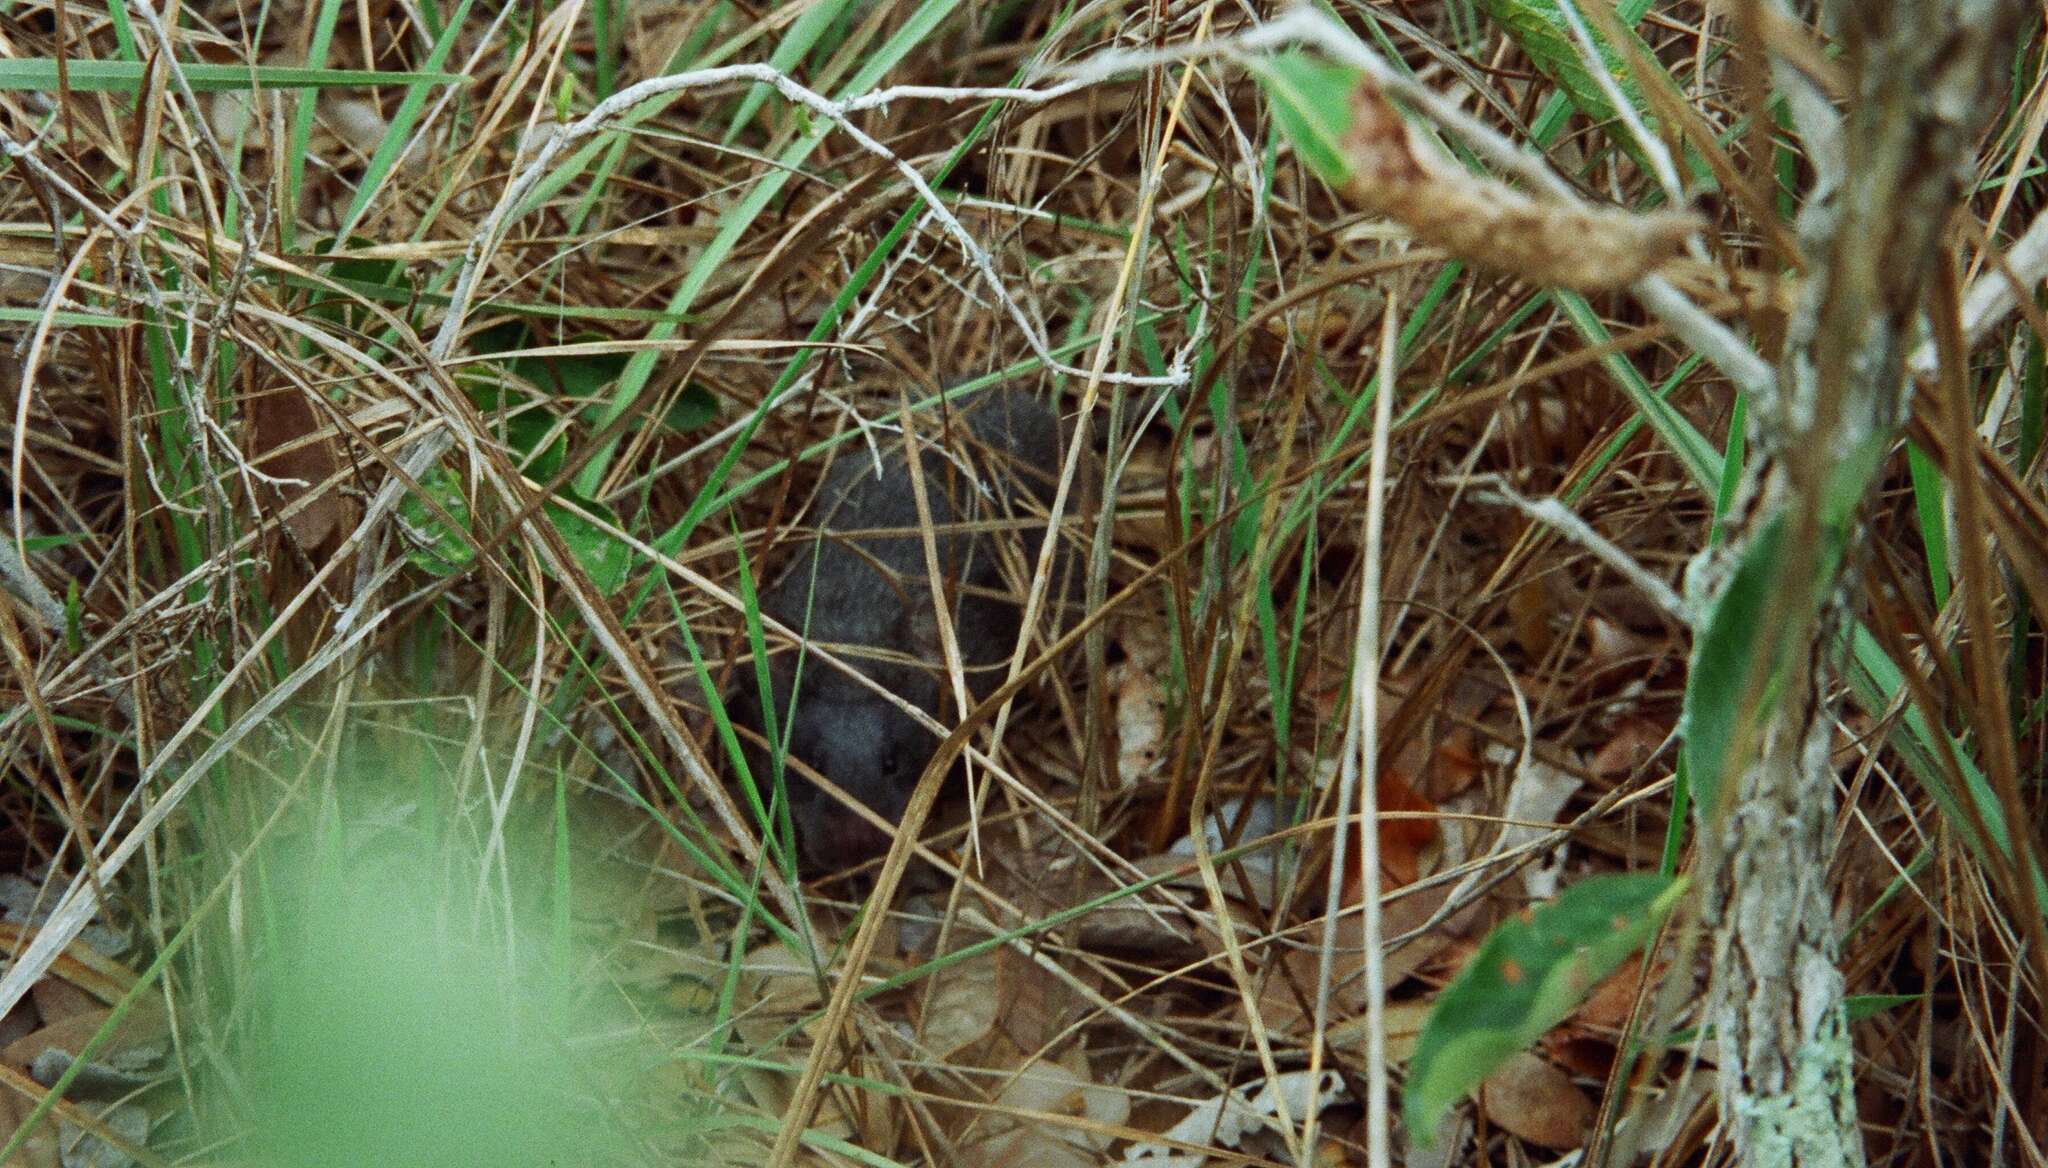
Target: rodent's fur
x=865, y=596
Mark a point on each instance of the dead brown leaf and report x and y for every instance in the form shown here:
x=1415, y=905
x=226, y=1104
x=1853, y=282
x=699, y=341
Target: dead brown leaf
x=56, y=1000
x=142, y=1030
x=1404, y=838
x=286, y=444
x=1534, y=1100
x=1400, y=173
x=1634, y=742
x=961, y=1008
x=40, y=1149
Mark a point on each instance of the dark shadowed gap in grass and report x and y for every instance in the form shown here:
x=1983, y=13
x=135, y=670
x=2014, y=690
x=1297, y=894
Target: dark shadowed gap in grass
x=1321, y=485
x=399, y=136
x=734, y=223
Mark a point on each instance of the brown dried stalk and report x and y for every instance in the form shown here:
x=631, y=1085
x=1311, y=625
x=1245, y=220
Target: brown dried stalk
x=1400, y=173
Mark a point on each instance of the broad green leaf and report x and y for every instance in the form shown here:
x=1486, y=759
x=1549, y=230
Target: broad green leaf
x=383, y=273
x=531, y=432
x=1311, y=102
x=354, y=274
x=502, y=337
x=1716, y=705
x=1528, y=975
x=541, y=447
x=576, y=376
x=694, y=407
x=436, y=548
x=40, y=74
x=527, y=430
x=603, y=557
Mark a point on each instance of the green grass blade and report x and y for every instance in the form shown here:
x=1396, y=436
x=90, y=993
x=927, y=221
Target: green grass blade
x=39, y=74
x=605, y=30
x=1876, y=680
x=18, y=314
x=1928, y=492
x=796, y=44
x=302, y=118
x=1701, y=461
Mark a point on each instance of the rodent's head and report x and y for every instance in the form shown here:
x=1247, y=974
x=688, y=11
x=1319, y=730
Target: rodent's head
x=854, y=738
x=869, y=749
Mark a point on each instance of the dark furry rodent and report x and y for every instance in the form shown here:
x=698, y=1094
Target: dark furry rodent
x=869, y=602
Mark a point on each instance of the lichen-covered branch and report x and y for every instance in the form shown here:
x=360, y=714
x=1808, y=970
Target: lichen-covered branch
x=1925, y=74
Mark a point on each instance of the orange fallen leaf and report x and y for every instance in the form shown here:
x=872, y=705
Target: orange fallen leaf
x=1403, y=839
x=1457, y=764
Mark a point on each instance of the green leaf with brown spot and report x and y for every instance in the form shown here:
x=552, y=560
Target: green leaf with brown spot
x=1531, y=972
